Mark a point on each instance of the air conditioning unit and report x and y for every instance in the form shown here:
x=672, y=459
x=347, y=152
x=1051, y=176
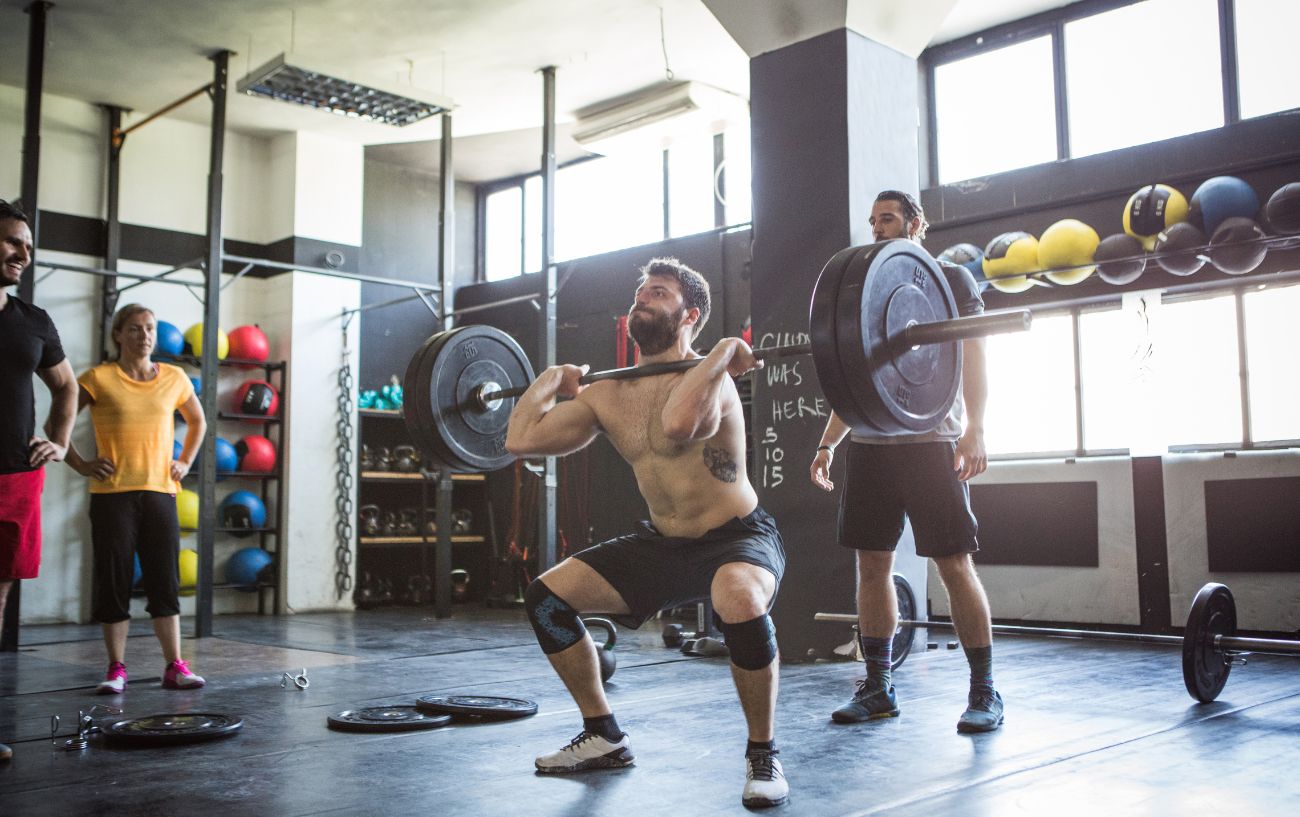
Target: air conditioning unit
x=654, y=117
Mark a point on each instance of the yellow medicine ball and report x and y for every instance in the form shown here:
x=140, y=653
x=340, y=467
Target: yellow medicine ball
x=187, y=509
x=1068, y=243
x=1008, y=257
x=187, y=563
x=1150, y=210
x=194, y=340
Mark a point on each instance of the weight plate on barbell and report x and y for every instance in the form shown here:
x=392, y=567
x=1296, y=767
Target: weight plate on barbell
x=160, y=730
x=901, y=390
x=386, y=719
x=823, y=337
x=414, y=409
x=906, y=613
x=483, y=707
x=1205, y=667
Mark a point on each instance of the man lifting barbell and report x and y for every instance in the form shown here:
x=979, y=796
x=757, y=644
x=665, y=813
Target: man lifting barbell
x=922, y=475
x=684, y=436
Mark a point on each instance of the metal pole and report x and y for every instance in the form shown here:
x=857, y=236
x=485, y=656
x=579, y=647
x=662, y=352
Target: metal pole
x=32, y=138
x=108, y=293
x=446, y=276
x=208, y=364
x=546, y=317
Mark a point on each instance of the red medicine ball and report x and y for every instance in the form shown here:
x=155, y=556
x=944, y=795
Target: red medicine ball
x=256, y=454
x=257, y=397
x=248, y=343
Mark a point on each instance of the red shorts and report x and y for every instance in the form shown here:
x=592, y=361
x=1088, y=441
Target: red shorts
x=20, y=524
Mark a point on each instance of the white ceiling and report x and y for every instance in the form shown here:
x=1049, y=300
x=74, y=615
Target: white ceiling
x=483, y=54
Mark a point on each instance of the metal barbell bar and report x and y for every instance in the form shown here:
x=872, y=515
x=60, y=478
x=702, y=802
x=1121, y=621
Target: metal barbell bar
x=917, y=334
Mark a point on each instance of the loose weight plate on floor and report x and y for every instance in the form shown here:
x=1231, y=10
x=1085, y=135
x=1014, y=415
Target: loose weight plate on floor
x=483, y=707
x=386, y=719
x=1205, y=666
x=164, y=730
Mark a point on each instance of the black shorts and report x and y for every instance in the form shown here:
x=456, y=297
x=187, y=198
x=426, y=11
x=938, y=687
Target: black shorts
x=123, y=525
x=653, y=572
x=884, y=483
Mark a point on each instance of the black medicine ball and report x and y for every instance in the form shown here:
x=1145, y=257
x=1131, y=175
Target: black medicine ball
x=1120, y=272
x=1282, y=212
x=1236, y=248
x=1179, y=249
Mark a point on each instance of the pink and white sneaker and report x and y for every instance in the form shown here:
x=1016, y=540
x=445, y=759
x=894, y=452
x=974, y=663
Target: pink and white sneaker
x=178, y=676
x=114, y=682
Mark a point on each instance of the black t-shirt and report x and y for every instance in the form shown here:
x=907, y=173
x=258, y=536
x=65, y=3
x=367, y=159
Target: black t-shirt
x=964, y=289
x=28, y=341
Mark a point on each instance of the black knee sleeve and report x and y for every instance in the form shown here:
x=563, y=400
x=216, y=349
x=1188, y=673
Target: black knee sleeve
x=556, y=623
x=752, y=643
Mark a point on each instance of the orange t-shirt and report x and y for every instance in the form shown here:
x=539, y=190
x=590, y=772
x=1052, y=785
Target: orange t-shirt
x=134, y=426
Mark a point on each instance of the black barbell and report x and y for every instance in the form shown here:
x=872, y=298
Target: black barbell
x=884, y=334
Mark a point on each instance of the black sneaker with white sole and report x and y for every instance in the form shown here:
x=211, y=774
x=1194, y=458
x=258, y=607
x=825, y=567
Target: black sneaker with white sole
x=587, y=751
x=764, y=781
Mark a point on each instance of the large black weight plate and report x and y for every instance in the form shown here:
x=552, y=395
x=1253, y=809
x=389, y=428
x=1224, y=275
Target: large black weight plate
x=906, y=612
x=386, y=719
x=457, y=431
x=824, y=337
x=483, y=707
x=164, y=730
x=874, y=294
x=1205, y=668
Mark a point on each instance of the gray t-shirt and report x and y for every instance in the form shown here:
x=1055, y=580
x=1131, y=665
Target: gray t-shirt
x=967, y=295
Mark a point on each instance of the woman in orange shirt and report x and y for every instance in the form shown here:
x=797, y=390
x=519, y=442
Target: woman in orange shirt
x=134, y=481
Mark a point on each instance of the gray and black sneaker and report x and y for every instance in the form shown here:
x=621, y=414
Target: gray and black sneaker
x=764, y=781
x=868, y=704
x=983, y=711
x=587, y=751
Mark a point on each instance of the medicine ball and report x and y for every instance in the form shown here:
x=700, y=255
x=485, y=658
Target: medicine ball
x=1068, y=243
x=197, y=383
x=245, y=566
x=1219, y=198
x=257, y=397
x=1179, y=248
x=177, y=449
x=138, y=572
x=249, y=343
x=1152, y=209
x=187, y=564
x=227, y=457
x=194, y=342
x=970, y=257
x=1236, y=247
x=242, y=511
x=1008, y=257
x=1282, y=213
x=1108, y=256
x=169, y=341
x=256, y=453
x=187, y=509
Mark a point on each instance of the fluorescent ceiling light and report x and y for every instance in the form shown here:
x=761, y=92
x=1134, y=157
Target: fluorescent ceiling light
x=657, y=116
x=306, y=85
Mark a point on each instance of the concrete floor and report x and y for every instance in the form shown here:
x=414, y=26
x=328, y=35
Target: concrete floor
x=1092, y=728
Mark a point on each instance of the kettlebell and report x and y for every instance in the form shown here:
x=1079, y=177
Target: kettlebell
x=406, y=459
x=605, y=652
x=459, y=585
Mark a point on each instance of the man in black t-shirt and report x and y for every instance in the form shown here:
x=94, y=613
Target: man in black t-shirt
x=29, y=344
x=921, y=477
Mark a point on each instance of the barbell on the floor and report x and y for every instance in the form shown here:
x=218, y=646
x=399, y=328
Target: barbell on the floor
x=1209, y=641
x=884, y=335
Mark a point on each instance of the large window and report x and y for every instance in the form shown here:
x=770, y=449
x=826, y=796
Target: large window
x=502, y=251
x=1197, y=373
x=1031, y=406
x=1142, y=73
x=607, y=204
x=995, y=111
x=1272, y=341
x=1268, y=61
x=1113, y=356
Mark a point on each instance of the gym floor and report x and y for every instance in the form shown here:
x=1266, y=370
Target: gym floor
x=1092, y=728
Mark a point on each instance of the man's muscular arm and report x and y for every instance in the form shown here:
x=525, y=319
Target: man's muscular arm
x=540, y=425
x=694, y=409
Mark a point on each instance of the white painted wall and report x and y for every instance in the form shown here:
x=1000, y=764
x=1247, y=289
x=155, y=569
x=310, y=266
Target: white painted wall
x=328, y=191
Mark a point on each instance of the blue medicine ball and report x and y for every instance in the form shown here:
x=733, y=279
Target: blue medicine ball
x=246, y=564
x=177, y=448
x=241, y=511
x=970, y=257
x=227, y=457
x=197, y=383
x=138, y=574
x=170, y=341
x=1219, y=198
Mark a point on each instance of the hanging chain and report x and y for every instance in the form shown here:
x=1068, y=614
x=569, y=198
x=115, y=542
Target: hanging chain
x=343, y=479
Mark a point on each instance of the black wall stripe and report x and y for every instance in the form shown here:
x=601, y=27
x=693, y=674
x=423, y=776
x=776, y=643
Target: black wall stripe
x=1052, y=524
x=1253, y=525
x=1152, y=542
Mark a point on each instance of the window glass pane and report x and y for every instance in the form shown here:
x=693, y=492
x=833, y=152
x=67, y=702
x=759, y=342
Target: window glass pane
x=690, y=185
x=1031, y=389
x=995, y=111
x=1268, y=61
x=502, y=234
x=737, y=172
x=609, y=204
x=533, y=224
x=1272, y=338
x=1110, y=360
x=1142, y=73
x=1196, y=362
